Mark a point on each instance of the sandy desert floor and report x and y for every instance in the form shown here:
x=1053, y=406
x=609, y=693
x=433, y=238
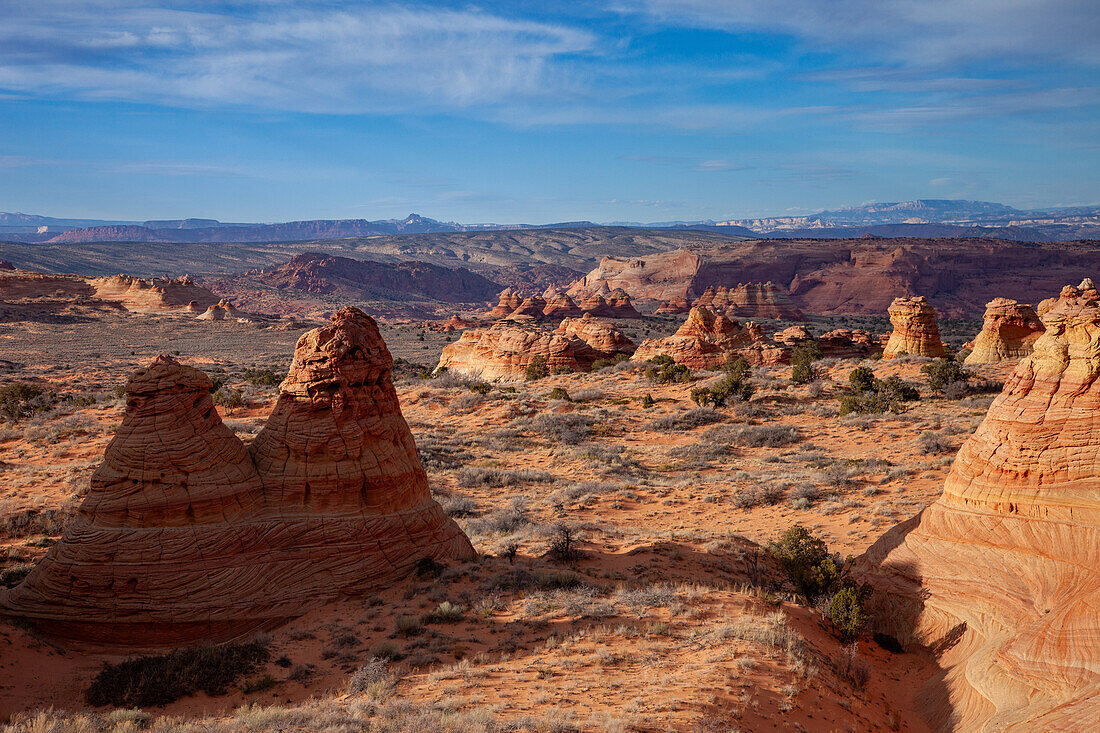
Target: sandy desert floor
x=663, y=623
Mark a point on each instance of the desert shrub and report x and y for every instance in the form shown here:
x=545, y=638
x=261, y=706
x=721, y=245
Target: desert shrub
x=375, y=671
x=665, y=371
x=496, y=478
x=933, y=443
x=687, y=420
x=807, y=562
x=231, y=399
x=752, y=496
x=648, y=401
x=536, y=369
x=862, y=379
x=559, y=393
x=264, y=377
x=569, y=428
x=12, y=576
x=610, y=361
x=737, y=367
x=36, y=521
x=259, y=685
x=563, y=544
x=459, y=506
x=20, y=399
x=885, y=395
x=846, y=612
x=407, y=626
x=850, y=666
x=428, y=567
x=771, y=436
x=804, y=372
x=445, y=613
x=480, y=387
x=165, y=678
x=731, y=388
x=943, y=372
x=436, y=454
x=522, y=580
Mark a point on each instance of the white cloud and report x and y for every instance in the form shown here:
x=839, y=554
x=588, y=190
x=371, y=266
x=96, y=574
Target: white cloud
x=346, y=59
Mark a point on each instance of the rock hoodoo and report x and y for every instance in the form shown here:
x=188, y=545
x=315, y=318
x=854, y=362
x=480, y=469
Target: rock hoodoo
x=674, y=305
x=507, y=302
x=1002, y=573
x=915, y=330
x=706, y=340
x=559, y=305
x=503, y=352
x=186, y=535
x=1009, y=331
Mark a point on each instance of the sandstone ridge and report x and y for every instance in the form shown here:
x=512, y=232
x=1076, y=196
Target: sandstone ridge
x=1001, y=574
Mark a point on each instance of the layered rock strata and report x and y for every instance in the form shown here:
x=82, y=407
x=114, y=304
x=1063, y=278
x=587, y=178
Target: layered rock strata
x=1001, y=575
x=186, y=535
x=707, y=339
x=1009, y=331
x=915, y=331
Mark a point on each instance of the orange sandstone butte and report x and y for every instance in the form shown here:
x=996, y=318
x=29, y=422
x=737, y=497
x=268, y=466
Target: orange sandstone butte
x=915, y=330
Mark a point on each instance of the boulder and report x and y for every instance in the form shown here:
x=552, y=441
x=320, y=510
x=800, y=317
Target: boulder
x=187, y=536
x=915, y=331
x=1001, y=575
x=1009, y=331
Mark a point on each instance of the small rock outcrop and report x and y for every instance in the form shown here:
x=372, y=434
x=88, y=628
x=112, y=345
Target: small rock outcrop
x=1001, y=575
x=531, y=309
x=559, y=305
x=842, y=343
x=915, y=331
x=152, y=295
x=507, y=302
x=707, y=339
x=223, y=310
x=503, y=352
x=1009, y=331
x=188, y=536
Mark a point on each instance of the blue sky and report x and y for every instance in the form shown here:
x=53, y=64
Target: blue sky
x=634, y=110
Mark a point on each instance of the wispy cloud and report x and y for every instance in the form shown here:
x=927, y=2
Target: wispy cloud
x=348, y=58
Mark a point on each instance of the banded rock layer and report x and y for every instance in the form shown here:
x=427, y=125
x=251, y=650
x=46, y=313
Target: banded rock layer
x=186, y=535
x=1002, y=573
x=751, y=300
x=707, y=339
x=1009, y=331
x=915, y=331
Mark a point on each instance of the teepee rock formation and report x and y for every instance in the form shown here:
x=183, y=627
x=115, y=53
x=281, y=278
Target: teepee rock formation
x=707, y=339
x=1009, y=331
x=1002, y=572
x=186, y=537
x=915, y=330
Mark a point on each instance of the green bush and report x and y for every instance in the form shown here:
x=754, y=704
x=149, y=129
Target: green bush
x=231, y=399
x=648, y=401
x=803, y=357
x=803, y=372
x=161, y=679
x=846, y=612
x=16, y=400
x=609, y=361
x=945, y=372
x=731, y=388
x=862, y=379
x=264, y=377
x=885, y=395
x=537, y=369
x=737, y=367
x=666, y=371
x=559, y=393
x=807, y=562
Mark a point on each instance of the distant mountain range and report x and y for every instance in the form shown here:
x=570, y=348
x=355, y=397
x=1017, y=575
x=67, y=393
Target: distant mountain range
x=923, y=217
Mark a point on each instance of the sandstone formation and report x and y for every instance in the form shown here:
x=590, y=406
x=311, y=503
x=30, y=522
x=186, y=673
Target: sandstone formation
x=674, y=305
x=1001, y=575
x=661, y=276
x=1009, y=331
x=600, y=335
x=503, y=352
x=793, y=336
x=5, y=265
x=707, y=339
x=843, y=343
x=531, y=309
x=223, y=310
x=609, y=304
x=186, y=535
x=507, y=302
x=559, y=305
x=915, y=331
x=152, y=295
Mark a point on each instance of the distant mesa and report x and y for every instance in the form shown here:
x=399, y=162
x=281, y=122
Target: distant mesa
x=1009, y=332
x=1000, y=576
x=188, y=536
x=504, y=351
x=322, y=274
x=915, y=330
x=707, y=339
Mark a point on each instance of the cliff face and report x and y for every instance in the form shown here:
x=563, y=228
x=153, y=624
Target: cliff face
x=1002, y=573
